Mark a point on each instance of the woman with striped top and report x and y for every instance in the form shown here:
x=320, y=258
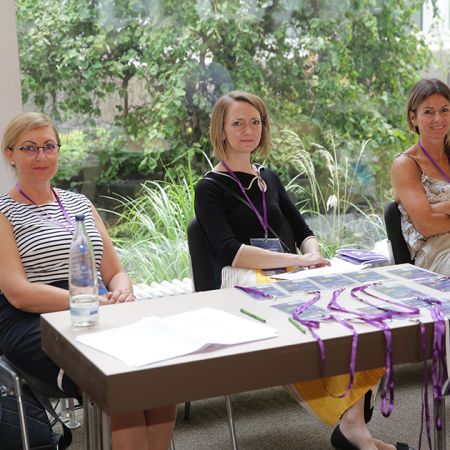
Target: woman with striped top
x=36, y=225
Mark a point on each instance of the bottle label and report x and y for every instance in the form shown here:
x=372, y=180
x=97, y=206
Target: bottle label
x=84, y=310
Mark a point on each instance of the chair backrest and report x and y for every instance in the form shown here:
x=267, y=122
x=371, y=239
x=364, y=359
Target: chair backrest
x=202, y=254
x=202, y=258
x=392, y=219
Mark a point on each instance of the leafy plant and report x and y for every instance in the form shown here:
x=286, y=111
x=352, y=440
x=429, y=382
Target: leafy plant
x=332, y=200
x=151, y=230
x=104, y=150
x=343, y=66
x=72, y=159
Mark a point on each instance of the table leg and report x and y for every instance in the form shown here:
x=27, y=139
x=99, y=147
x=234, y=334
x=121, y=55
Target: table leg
x=106, y=432
x=439, y=435
x=231, y=427
x=92, y=423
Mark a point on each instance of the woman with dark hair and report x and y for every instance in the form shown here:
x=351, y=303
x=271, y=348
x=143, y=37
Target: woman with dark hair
x=241, y=206
x=420, y=177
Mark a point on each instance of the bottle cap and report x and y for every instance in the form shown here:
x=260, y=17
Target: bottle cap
x=79, y=217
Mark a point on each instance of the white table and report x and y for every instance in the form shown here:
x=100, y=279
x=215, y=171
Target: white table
x=112, y=387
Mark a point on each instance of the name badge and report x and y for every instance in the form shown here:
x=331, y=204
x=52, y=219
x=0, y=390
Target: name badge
x=272, y=244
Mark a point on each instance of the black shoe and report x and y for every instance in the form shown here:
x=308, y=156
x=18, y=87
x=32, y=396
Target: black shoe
x=368, y=408
x=340, y=442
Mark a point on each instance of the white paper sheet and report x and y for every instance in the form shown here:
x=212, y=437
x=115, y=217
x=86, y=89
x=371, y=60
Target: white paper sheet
x=337, y=266
x=154, y=339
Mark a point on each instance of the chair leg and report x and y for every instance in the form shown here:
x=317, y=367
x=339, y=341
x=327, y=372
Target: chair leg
x=172, y=444
x=22, y=416
x=68, y=413
x=187, y=411
x=231, y=422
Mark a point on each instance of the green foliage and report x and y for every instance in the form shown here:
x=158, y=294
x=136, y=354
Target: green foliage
x=150, y=233
x=342, y=66
x=338, y=68
x=330, y=194
x=105, y=152
x=73, y=155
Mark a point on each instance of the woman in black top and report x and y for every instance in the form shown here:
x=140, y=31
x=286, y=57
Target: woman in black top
x=238, y=202
x=227, y=221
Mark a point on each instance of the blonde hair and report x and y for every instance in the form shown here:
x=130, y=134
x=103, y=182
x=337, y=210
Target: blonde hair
x=220, y=109
x=25, y=122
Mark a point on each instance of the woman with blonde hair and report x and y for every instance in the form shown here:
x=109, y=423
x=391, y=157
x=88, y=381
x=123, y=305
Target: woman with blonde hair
x=241, y=207
x=37, y=225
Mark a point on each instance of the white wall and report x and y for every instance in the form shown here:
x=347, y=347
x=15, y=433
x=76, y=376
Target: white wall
x=10, y=93
x=437, y=29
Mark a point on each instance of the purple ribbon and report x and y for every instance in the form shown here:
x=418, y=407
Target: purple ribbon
x=439, y=369
x=435, y=164
x=377, y=321
x=425, y=406
x=71, y=229
x=262, y=219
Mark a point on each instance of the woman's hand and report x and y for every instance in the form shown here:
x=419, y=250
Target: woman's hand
x=117, y=296
x=313, y=260
x=441, y=207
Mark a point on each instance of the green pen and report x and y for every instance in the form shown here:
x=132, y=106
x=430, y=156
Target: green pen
x=297, y=325
x=250, y=314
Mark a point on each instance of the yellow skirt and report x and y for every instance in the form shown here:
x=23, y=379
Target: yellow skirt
x=315, y=397
x=314, y=394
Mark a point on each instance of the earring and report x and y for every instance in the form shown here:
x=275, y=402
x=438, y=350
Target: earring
x=13, y=163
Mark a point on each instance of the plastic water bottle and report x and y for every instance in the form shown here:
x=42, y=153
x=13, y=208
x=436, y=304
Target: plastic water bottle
x=83, y=287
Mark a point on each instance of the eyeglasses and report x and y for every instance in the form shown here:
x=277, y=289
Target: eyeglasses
x=33, y=150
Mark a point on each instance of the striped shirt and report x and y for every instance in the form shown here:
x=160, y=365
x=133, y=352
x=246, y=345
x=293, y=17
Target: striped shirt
x=43, y=234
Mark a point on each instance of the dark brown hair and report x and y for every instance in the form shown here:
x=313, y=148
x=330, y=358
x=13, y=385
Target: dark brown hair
x=419, y=93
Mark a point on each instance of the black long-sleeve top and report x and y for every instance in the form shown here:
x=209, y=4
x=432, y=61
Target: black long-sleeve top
x=229, y=223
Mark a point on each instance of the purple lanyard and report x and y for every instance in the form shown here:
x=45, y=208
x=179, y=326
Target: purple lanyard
x=379, y=321
x=71, y=229
x=313, y=325
x=262, y=219
x=408, y=310
x=438, y=376
x=438, y=370
x=435, y=164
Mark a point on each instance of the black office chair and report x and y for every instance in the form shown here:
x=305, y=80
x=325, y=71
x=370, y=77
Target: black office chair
x=392, y=219
x=202, y=254
x=204, y=279
x=202, y=258
x=11, y=383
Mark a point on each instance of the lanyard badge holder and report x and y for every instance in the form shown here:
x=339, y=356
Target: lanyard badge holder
x=284, y=247
x=272, y=244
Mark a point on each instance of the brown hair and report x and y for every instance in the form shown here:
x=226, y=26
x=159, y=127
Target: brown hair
x=25, y=122
x=419, y=93
x=216, y=133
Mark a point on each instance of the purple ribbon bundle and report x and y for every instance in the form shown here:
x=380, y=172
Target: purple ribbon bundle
x=388, y=309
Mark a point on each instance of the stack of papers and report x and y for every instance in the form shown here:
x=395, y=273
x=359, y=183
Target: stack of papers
x=154, y=339
x=356, y=256
x=338, y=265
